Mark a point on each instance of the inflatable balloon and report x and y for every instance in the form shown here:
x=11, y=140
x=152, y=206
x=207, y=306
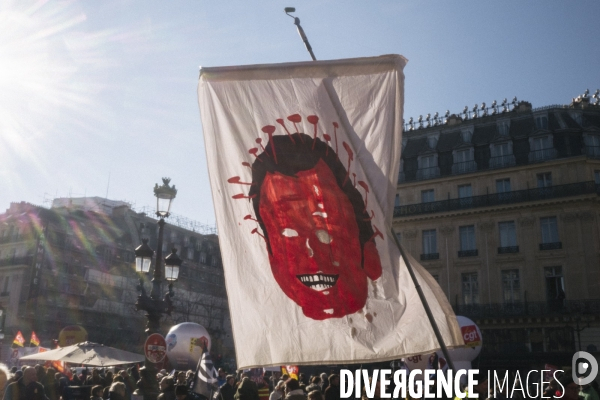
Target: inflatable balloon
x=185, y=344
x=72, y=334
x=461, y=357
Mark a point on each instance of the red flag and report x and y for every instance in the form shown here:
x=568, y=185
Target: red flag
x=19, y=339
x=34, y=339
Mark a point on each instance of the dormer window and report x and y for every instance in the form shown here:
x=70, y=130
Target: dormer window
x=592, y=145
x=503, y=128
x=432, y=141
x=502, y=155
x=577, y=117
x=542, y=148
x=428, y=168
x=467, y=134
x=541, y=122
x=463, y=161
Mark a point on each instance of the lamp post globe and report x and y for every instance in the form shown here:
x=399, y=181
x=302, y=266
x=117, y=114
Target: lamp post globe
x=143, y=257
x=172, y=264
x=164, y=197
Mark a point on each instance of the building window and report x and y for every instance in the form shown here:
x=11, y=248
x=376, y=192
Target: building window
x=592, y=145
x=427, y=196
x=467, y=241
x=429, y=245
x=555, y=287
x=502, y=155
x=399, y=237
x=544, y=180
x=463, y=161
x=6, y=284
x=508, y=237
x=510, y=286
x=503, y=127
x=397, y=201
x=465, y=191
x=541, y=149
x=190, y=253
x=203, y=257
x=549, y=234
x=470, y=288
x=503, y=185
x=597, y=177
x=428, y=167
x=541, y=122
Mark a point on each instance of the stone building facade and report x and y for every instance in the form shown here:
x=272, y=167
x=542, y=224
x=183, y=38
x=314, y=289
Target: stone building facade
x=501, y=205
x=73, y=264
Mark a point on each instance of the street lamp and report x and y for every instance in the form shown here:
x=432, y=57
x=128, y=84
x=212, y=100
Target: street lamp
x=154, y=305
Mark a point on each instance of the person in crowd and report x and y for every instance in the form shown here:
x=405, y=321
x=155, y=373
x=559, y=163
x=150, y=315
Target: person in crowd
x=26, y=388
x=293, y=390
x=129, y=383
x=97, y=393
x=278, y=392
x=333, y=389
x=315, y=395
x=303, y=382
x=246, y=390
x=181, y=379
x=5, y=375
x=167, y=389
x=227, y=390
x=117, y=391
x=315, y=384
x=324, y=382
x=263, y=389
x=284, y=378
x=50, y=384
x=181, y=392
x=116, y=378
x=222, y=377
x=18, y=374
x=587, y=392
x=95, y=379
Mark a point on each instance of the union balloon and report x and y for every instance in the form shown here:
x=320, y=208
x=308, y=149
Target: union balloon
x=185, y=344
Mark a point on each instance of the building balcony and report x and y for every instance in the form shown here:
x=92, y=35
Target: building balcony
x=536, y=156
x=551, y=246
x=16, y=261
x=430, y=256
x=497, y=199
x=464, y=167
x=508, y=249
x=529, y=309
x=502, y=161
x=428, y=173
x=467, y=253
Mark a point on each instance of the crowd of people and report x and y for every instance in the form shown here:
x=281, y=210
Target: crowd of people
x=41, y=383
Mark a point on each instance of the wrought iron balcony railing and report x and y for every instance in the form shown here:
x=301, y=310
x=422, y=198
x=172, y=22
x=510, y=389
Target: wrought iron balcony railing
x=497, y=199
x=464, y=167
x=430, y=256
x=467, y=253
x=530, y=309
x=551, y=246
x=542, y=155
x=428, y=173
x=502, y=161
x=508, y=249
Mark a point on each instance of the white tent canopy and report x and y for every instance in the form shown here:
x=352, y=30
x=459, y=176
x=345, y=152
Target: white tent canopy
x=88, y=353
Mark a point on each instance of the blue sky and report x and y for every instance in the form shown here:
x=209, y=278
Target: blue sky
x=92, y=89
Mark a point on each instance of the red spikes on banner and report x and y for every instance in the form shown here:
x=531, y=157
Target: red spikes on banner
x=314, y=120
x=237, y=179
x=242, y=196
x=269, y=129
x=350, y=158
x=282, y=123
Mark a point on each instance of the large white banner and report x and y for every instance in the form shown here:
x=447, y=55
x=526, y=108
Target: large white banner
x=303, y=161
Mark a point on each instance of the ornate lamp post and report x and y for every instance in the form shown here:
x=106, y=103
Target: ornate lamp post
x=154, y=305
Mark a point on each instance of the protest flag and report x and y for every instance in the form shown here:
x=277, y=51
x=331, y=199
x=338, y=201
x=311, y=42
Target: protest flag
x=19, y=339
x=35, y=341
x=206, y=376
x=303, y=161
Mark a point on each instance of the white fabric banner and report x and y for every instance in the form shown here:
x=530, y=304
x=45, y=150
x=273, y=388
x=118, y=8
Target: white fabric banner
x=303, y=161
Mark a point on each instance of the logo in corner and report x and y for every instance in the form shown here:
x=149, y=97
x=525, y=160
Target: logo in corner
x=584, y=368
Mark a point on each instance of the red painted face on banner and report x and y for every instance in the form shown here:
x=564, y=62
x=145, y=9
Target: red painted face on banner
x=315, y=249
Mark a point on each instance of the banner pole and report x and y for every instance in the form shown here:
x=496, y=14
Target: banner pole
x=434, y=326
x=289, y=10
